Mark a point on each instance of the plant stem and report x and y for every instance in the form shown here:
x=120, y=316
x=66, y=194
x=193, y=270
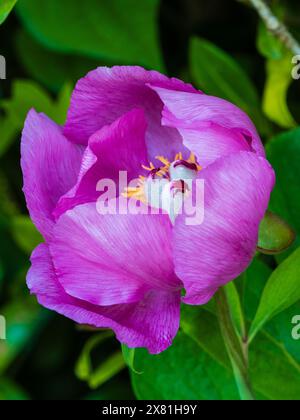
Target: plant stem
x=273, y=24
x=236, y=348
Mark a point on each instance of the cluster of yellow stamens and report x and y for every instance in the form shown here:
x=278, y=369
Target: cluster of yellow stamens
x=138, y=192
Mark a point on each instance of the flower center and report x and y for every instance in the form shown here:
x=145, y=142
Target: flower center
x=167, y=185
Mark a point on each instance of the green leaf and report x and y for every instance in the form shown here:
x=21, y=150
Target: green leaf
x=27, y=95
x=6, y=7
x=182, y=372
x=197, y=365
x=275, y=235
x=281, y=327
x=129, y=355
x=218, y=74
x=117, y=30
x=279, y=78
x=254, y=281
x=274, y=371
x=51, y=69
x=25, y=233
x=251, y=285
x=204, y=329
x=281, y=292
x=268, y=45
x=283, y=152
x=109, y=368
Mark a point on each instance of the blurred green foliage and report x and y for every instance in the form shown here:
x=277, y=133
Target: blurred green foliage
x=223, y=48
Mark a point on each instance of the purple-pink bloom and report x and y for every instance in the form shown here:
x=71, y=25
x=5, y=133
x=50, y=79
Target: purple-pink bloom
x=127, y=272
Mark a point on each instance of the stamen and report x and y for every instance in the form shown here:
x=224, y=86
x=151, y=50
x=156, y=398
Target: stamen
x=172, y=181
x=136, y=193
x=149, y=169
x=193, y=159
x=179, y=156
x=164, y=161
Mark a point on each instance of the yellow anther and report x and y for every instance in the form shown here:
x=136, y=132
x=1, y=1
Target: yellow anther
x=136, y=193
x=149, y=168
x=164, y=161
x=192, y=158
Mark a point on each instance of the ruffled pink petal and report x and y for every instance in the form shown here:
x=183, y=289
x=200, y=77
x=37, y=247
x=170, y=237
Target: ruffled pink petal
x=207, y=256
x=111, y=259
x=118, y=147
x=151, y=323
x=212, y=141
x=190, y=113
x=50, y=165
x=107, y=93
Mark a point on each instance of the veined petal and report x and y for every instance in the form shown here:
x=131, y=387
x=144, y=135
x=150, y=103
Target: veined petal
x=50, y=165
x=118, y=147
x=111, y=259
x=190, y=113
x=107, y=93
x=207, y=256
x=152, y=323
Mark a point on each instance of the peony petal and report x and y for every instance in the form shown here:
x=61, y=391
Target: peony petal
x=208, y=255
x=212, y=141
x=190, y=113
x=107, y=93
x=151, y=323
x=118, y=147
x=50, y=165
x=111, y=259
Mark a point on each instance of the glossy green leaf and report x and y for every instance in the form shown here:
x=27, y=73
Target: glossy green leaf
x=275, y=235
x=197, y=365
x=274, y=372
x=218, y=74
x=6, y=7
x=118, y=30
x=281, y=328
x=184, y=371
x=279, y=78
x=251, y=285
x=25, y=233
x=283, y=152
x=266, y=351
x=204, y=329
x=281, y=292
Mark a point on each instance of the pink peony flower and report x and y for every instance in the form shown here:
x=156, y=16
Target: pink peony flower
x=127, y=271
